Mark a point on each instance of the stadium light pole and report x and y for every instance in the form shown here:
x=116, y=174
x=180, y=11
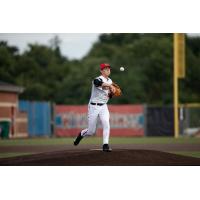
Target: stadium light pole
x=179, y=72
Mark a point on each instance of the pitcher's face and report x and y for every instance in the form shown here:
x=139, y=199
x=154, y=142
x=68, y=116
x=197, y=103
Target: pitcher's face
x=106, y=71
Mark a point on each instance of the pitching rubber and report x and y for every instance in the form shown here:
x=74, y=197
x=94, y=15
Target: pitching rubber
x=99, y=150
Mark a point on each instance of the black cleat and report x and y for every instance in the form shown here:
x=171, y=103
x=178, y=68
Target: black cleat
x=78, y=139
x=106, y=148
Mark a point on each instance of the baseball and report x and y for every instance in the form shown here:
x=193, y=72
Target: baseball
x=121, y=69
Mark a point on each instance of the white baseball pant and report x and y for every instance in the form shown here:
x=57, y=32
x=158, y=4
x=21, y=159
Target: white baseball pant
x=93, y=112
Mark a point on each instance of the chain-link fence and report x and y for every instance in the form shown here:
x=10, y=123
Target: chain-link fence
x=189, y=116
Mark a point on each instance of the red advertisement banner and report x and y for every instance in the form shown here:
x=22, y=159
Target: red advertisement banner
x=125, y=120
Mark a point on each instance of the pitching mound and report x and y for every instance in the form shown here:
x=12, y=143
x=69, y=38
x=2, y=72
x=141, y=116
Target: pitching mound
x=94, y=157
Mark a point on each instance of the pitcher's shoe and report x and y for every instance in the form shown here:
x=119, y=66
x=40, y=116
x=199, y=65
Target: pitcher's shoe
x=106, y=148
x=78, y=139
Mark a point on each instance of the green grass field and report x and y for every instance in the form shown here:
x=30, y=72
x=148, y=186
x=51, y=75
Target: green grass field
x=195, y=154
x=7, y=155
x=98, y=140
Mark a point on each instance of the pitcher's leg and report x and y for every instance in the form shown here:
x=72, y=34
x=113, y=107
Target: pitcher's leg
x=105, y=120
x=93, y=113
x=92, y=122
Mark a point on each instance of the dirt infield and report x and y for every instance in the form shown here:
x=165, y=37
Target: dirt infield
x=82, y=155
x=85, y=157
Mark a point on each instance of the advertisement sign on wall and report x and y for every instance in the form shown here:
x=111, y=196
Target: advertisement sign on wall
x=125, y=120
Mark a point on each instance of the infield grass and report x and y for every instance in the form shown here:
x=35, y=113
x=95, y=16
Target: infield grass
x=98, y=140
x=144, y=140
x=195, y=154
x=13, y=154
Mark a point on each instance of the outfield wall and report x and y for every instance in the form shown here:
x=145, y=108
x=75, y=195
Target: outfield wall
x=39, y=117
x=45, y=119
x=159, y=121
x=125, y=120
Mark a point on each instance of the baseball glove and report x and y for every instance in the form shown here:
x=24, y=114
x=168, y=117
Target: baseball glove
x=117, y=91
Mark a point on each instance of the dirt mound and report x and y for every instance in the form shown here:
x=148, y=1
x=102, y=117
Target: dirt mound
x=118, y=157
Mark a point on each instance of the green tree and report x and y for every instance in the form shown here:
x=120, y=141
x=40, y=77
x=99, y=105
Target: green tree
x=148, y=77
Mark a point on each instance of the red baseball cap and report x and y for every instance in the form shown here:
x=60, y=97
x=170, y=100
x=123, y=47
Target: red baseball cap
x=104, y=65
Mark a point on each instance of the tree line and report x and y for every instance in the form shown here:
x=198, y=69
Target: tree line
x=47, y=75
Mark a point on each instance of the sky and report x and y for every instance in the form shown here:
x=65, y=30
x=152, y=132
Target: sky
x=73, y=45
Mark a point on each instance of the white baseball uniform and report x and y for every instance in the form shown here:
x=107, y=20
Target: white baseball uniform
x=97, y=107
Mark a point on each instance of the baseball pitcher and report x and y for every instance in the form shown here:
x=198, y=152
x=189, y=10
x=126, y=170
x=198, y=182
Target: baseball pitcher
x=102, y=90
